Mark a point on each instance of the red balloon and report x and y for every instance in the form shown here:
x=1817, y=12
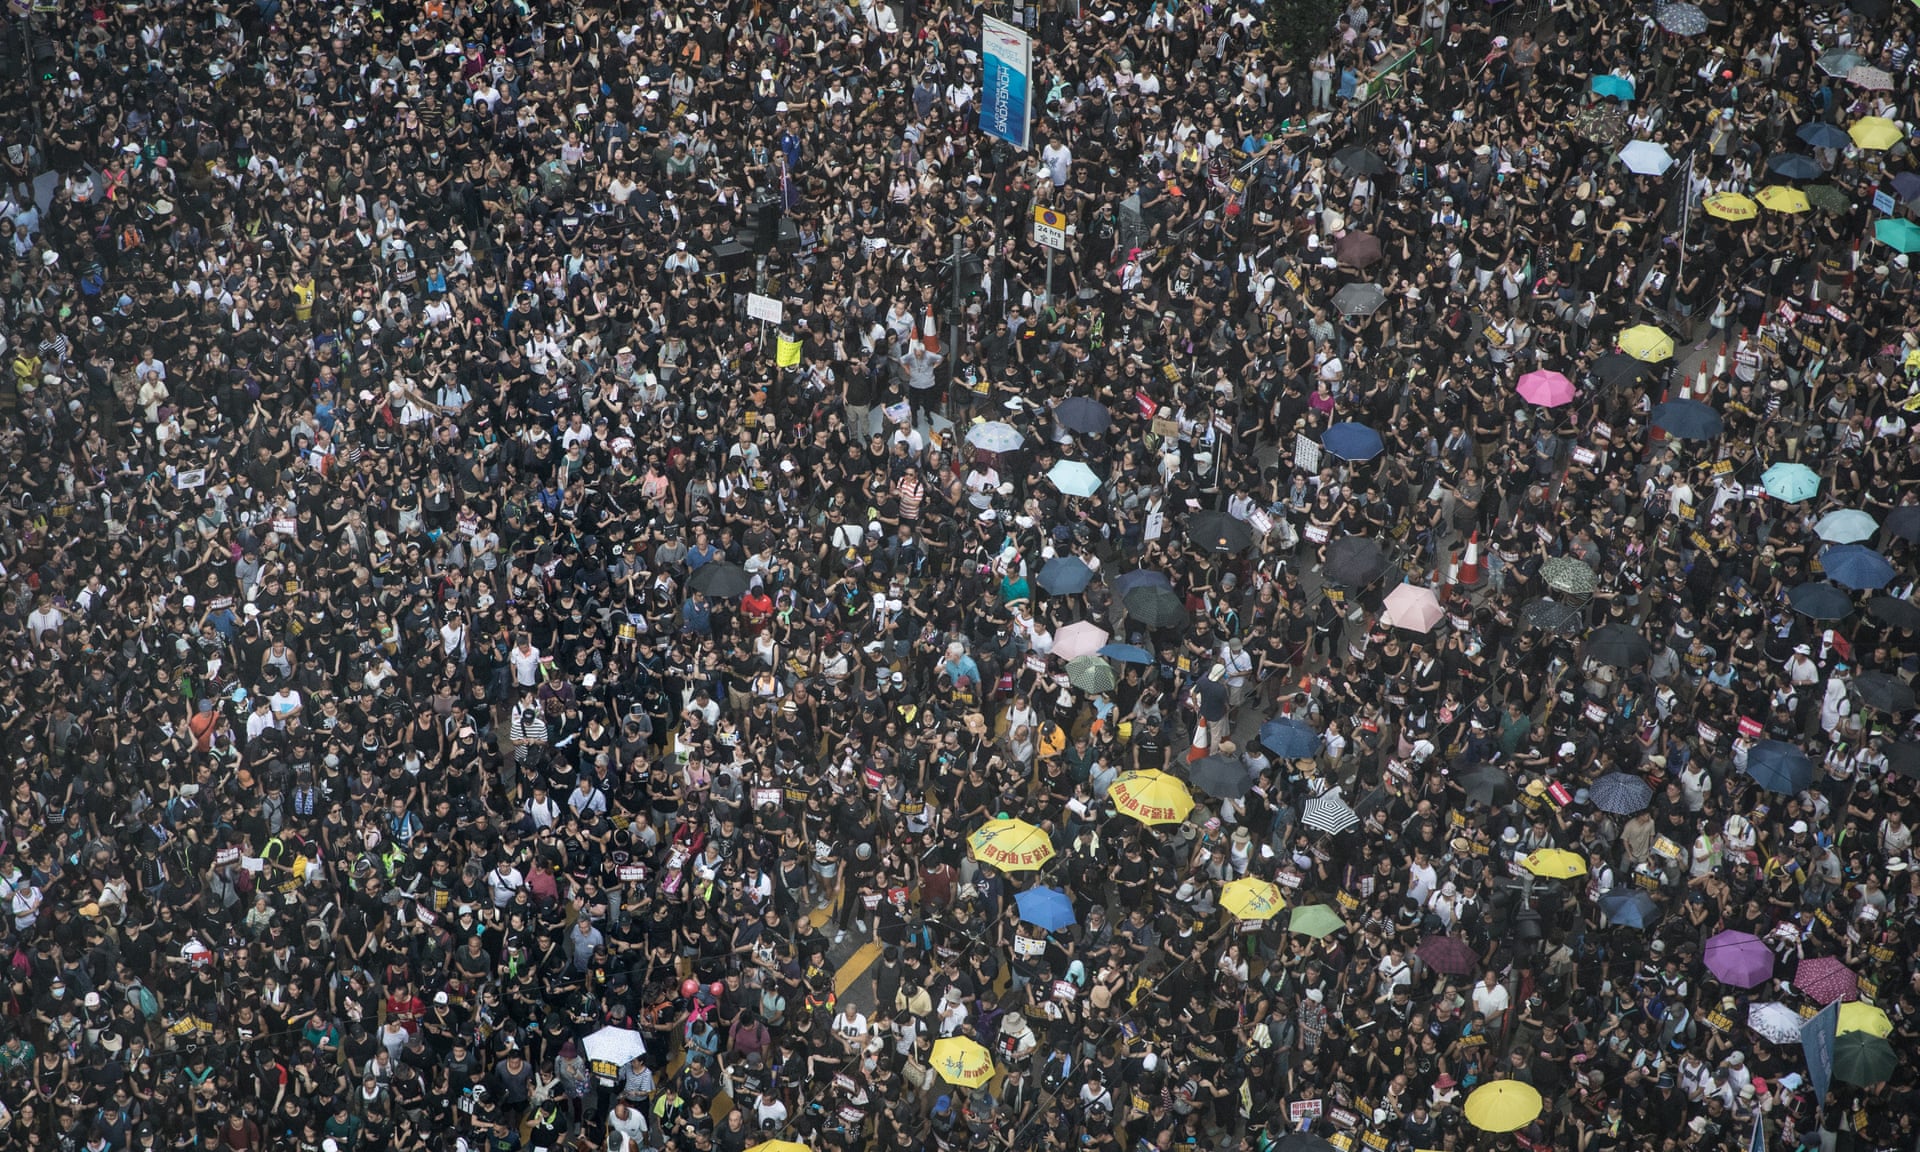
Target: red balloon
x=716, y=988
x=689, y=987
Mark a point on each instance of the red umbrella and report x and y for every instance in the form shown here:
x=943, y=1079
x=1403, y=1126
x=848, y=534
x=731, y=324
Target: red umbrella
x=1826, y=979
x=1449, y=955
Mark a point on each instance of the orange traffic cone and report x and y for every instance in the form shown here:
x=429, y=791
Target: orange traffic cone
x=1720, y=363
x=1469, y=571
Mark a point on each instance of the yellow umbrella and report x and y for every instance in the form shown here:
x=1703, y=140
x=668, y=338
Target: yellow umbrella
x=1503, y=1106
x=1781, y=198
x=1011, y=845
x=1645, y=342
x=1730, y=206
x=1875, y=133
x=779, y=1146
x=1858, y=1017
x=1251, y=898
x=961, y=1061
x=1555, y=864
x=1151, y=797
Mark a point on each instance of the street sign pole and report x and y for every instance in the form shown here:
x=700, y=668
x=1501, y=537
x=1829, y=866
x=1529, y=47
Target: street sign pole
x=1050, y=232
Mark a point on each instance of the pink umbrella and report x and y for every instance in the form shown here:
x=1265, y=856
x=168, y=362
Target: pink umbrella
x=1412, y=607
x=1079, y=639
x=1826, y=979
x=1547, y=389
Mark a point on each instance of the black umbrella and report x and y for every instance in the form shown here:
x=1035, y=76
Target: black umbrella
x=1082, y=416
x=1618, y=368
x=1357, y=159
x=1619, y=646
x=1904, y=758
x=1223, y=777
x=1355, y=561
x=1551, y=616
x=1894, y=612
x=720, y=579
x=1219, y=532
x=1819, y=600
x=1883, y=693
x=1903, y=522
x=1155, y=607
x=1489, y=785
x=1687, y=420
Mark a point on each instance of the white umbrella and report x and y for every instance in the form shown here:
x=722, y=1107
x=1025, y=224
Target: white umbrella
x=1646, y=158
x=1846, y=526
x=1775, y=1022
x=1082, y=638
x=1414, y=608
x=995, y=436
x=612, y=1049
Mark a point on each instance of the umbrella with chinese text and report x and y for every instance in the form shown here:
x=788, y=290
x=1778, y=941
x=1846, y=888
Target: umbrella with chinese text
x=962, y=1062
x=1151, y=796
x=1011, y=845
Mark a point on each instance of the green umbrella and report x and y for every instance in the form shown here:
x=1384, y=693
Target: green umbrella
x=1316, y=920
x=1862, y=1058
x=1827, y=198
x=1091, y=674
x=1566, y=574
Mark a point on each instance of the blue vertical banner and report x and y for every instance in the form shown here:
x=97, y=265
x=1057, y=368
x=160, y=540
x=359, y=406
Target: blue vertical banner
x=1817, y=1038
x=1006, y=81
x=1758, y=1141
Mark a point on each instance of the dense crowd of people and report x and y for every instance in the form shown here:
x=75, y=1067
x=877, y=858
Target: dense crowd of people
x=444, y=625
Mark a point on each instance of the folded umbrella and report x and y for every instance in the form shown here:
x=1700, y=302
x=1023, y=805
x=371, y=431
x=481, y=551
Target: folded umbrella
x=1895, y=612
x=1819, y=600
x=1567, y=574
x=1790, y=483
x=1620, y=793
x=1358, y=250
x=1154, y=607
x=1900, y=235
x=1608, y=85
x=1547, y=389
x=1449, y=955
x=1783, y=198
x=1863, y=1058
x=1488, y=785
x=1846, y=526
x=995, y=436
x=720, y=579
x=1687, y=420
x=1882, y=692
x=1738, y=958
x=1826, y=979
x=1779, y=767
x=1083, y=416
x=1091, y=674
x=1794, y=166
x=1856, y=566
x=1065, y=575
x=1645, y=342
x=1080, y=638
x=1630, y=908
x=1289, y=739
x=1412, y=607
x=1126, y=653
x=1359, y=299
x=1821, y=134
x=1646, y=158
x=1046, y=908
x=1218, y=532
x=1222, y=777
x=1354, y=561
x=1352, y=441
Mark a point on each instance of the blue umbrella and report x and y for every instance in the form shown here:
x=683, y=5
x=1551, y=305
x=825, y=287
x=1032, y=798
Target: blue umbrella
x=1794, y=166
x=1126, y=653
x=1687, y=420
x=1074, y=478
x=1352, y=441
x=1620, y=793
x=1790, y=483
x=1630, y=908
x=1856, y=566
x=1289, y=739
x=1819, y=600
x=1906, y=186
x=1779, y=767
x=1618, y=87
x=1821, y=134
x=1065, y=575
x=1141, y=578
x=1047, y=908
x=1903, y=522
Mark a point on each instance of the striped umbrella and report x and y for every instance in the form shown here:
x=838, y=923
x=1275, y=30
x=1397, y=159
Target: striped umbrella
x=1330, y=814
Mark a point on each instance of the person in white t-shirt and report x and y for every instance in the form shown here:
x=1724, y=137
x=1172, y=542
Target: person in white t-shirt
x=1491, y=1000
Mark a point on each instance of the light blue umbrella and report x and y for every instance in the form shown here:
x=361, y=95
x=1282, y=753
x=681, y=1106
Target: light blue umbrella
x=1607, y=84
x=1856, y=566
x=1645, y=158
x=1900, y=235
x=1126, y=653
x=1847, y=526
x=1352, y=441
x=1074, y=478
x=1047, y=908
x=1790, y=483
x=995, y=436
